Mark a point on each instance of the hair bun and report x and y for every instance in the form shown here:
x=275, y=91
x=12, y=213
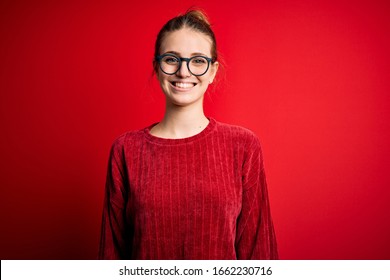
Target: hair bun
x=198, y=15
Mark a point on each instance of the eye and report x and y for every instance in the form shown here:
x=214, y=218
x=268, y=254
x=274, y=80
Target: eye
x=198, y=61
x=172, y=60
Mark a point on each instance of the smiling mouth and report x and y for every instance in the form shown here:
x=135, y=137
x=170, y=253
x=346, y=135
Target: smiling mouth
x=183, y=85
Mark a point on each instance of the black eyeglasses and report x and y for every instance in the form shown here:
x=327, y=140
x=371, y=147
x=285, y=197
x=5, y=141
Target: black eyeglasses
x=197, y=65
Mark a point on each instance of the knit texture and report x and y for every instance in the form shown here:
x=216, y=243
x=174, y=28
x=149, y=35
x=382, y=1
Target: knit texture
x=202, y=197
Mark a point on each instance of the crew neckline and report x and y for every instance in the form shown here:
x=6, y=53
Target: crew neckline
x=171, y=141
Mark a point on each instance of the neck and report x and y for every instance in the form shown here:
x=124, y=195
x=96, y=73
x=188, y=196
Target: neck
x=181, y=122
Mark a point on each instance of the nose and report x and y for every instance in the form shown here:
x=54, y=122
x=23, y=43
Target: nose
x=183, y=71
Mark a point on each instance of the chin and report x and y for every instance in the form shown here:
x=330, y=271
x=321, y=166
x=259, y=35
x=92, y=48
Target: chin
x=183, y=101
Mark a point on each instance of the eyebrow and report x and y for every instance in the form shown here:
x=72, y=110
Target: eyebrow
x=178, y=54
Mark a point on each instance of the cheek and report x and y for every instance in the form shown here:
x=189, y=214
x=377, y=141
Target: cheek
x=161, y=78
x=205, y=79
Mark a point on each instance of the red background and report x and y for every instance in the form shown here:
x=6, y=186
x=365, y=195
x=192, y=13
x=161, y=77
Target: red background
x=311, y=78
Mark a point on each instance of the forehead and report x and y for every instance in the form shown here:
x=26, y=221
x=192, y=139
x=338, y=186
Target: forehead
x=185, y=42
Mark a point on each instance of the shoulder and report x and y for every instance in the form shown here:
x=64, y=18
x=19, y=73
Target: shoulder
x=239, y=134
x=126, y=140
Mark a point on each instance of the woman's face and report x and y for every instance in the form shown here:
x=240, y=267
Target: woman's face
x=183, y=88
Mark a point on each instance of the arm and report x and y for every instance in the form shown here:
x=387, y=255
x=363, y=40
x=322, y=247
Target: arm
x=255, y=236
x=113, y=242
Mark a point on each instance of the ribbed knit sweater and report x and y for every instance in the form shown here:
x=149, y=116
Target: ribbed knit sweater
x=201, y=197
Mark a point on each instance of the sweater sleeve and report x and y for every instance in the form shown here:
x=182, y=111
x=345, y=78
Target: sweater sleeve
x=255, y=237
x=113, y=230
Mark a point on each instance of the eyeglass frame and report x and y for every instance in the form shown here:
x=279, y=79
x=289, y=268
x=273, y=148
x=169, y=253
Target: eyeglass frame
x=181, y=59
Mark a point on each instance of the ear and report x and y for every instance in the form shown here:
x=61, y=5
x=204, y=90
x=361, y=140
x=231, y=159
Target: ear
x=214, y=70
x=157, y=73
x=155, y=69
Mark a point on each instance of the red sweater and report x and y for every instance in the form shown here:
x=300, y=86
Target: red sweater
x=202, y=197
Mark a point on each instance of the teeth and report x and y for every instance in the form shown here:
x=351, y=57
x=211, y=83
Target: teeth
x=183, y=85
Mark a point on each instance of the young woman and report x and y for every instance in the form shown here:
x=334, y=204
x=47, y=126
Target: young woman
x=188, y=187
